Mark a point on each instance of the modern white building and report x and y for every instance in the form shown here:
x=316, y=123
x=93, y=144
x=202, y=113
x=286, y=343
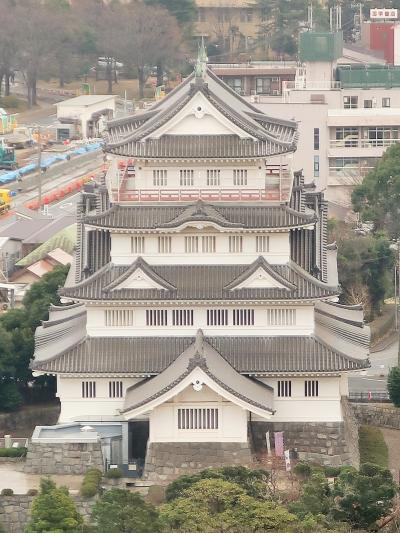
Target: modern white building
x=201, y=309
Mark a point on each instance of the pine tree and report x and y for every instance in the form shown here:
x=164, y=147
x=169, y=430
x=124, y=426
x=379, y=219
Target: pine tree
x=393, y=385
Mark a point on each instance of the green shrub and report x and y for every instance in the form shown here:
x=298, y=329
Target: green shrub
x=13, y=452
x=91, y=483
x=302, y=470
x=156, y=494
x=32, y=492
x=373, y=448
x=10, y=397
x=7, y=492
x=114, y=473
x=393, y=385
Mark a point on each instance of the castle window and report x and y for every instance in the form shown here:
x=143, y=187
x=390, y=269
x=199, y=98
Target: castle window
x=217, y=317
x=156, y=317
x=262, y=243
x=191, y=245
x=284, y=388
x=235, y=243
x=88, y=389
x=186, y=178
x=213, y=177
x=240, y=176
x=118, y=317
x=243, y=317
x=311, y=387
x=159, y=178
x=204, y=418
x=137, y=245
x=182, y=317
x=164, y=245
x=115, y=389
x=208, y=244
x=281, y=317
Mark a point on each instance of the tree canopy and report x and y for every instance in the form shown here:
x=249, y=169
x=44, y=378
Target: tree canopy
x=393, y=385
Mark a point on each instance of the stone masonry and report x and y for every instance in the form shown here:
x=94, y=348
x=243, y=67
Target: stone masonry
x=166, y=461
x=319, y=442
x=377, y=414
x=15, y=511
x=71, y=458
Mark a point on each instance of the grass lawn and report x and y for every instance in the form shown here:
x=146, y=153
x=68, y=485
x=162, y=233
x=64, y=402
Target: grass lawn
x=373, y=448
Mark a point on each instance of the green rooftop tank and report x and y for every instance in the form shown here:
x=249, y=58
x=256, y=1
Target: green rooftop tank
x=320, y=46
x=368, y=76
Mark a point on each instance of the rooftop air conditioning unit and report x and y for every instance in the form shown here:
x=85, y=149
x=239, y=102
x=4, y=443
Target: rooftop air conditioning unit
x=255, y=99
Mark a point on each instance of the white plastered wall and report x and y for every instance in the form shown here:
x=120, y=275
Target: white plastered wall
x=279, y=249
x=232, y=420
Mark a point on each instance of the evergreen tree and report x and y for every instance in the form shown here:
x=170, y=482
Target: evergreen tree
x=393, y=385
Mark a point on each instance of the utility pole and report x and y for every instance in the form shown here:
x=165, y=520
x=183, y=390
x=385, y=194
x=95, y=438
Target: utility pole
x=39, y=154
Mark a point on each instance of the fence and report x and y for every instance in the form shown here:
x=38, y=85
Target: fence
x=370, y=396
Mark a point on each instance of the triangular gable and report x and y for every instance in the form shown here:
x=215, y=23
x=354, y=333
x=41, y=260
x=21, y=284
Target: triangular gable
x=201, y=116
x=200, y=212
x=139, y=276
x=260, y=275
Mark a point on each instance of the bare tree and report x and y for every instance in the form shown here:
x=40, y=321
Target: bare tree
x=150, y=36
x=8, y=44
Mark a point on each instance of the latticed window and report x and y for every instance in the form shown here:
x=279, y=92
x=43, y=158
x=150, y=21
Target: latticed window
x=164, y=245
x=281, y=317
x=213, y=177
x=240, y=176
x=191, y=245
x=217, y=317
x=243, y=317
x=262, y=243
x=159, y=178
x=156, y=317
x=118, y=317
x=235, y=243
x=182, y=317
x=203, y=418
x=137, y=245
x=208, y=244
x=284, y=388
x=186, y=177
x=88, y=389
x=115, y=389
x=311, y=387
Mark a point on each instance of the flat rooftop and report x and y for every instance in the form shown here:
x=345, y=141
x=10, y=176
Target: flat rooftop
x=86, y=100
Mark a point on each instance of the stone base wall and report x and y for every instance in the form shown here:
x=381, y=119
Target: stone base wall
x=15, y=511
x=377, y=414
x=351, y=427
x=166, y=461
x=71, y=458
x=28, y=418
x=319, y=442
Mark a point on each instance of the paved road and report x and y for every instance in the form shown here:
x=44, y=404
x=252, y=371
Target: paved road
x=374, y=379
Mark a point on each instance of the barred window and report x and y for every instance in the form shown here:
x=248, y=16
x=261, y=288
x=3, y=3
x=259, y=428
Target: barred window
x=115, y=389
x=186, y=178
x=240, y=177
x=311, y=387
x=88, y=389
x=284, y=388
x=159, y=178
x=137, y=245
x=262, y=243
x=156, y=317
x=118, y=317
x=281, y=317
x=217, y=317
x=243, y=317
x=213, y=177
x=164, y=245
x=191, y=245
x=208, y=244
x=203, y=418
x=182, y=317
x=235, y=243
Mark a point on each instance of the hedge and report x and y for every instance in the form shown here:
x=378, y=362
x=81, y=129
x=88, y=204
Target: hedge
x=13, y=452
x=91, y=483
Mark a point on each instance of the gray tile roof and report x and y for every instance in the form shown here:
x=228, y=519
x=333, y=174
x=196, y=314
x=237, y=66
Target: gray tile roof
x=201, y=355
x=165, y=216
x=267, y=135
x=248, y=355
x=199, y=282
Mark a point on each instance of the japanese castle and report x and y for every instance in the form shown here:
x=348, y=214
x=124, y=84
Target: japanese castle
x=201, y=310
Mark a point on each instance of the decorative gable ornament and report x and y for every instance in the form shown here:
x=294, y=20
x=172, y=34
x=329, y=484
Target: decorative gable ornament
x=139, y=280
x=260, y=279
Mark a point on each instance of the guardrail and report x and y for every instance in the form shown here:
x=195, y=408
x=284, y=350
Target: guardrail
x=362, y=143
x=369, y=396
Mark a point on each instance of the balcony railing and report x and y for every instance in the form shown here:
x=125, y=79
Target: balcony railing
x=362, y=143
x=304, y=85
